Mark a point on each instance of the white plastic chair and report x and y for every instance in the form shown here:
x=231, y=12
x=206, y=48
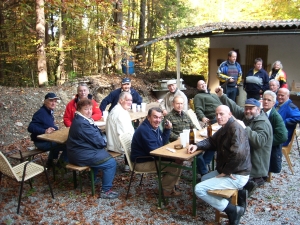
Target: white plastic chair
x=21, y=173
x=194, y=119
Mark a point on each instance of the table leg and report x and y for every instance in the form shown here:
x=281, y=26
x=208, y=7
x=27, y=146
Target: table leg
x=159, y=183
x=194, y=172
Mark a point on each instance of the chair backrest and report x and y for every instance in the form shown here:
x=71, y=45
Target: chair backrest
x=194, y=119
x=125, y=140
x=5, y=167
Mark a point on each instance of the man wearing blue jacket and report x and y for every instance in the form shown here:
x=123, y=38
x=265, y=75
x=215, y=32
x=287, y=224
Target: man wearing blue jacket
x=43, y=123
x=288, y=111
x=256, y=80
x=113, y=96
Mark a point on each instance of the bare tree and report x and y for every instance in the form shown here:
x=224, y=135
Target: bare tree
x=41, y=52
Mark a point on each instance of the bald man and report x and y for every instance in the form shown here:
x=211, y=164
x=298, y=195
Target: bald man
x=233, y=164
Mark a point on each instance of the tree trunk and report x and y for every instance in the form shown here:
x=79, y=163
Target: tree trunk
x=141, y=51
x=41, y=53
x=118, y=21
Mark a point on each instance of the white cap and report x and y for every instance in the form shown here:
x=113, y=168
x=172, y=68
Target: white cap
x=171, y=82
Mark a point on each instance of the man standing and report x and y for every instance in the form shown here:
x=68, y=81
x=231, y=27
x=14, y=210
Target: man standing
x=119, y=122
x=279, y=131
x=256, y=81
x=233, y=164
x=147, y=138
x=205, y=104
x=113, y=96
x=43, y=123
x=179, y=119
x=260, y=135
x=166, y=104
x=230, y=71
x=82, y=93
x=288, y=111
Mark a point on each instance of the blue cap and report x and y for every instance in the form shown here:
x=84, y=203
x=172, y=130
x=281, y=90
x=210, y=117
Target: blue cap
x=252, y=102
x=126, y=80
x=51, y=95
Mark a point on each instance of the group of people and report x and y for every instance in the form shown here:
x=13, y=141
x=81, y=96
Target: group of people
x=87, y=145
x=247, y=146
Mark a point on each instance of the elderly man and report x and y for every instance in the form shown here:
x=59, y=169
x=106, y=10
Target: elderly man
x=113, y=96
x=274, y=85
x=233, y=164
x=257, y=80
x=82, y=93
x=166, y=104
x=288, y=111
x=279, y=131
x=147, y=138
x=43, y=123
x=179, y=119
x=205, y=103
x=119, y=122
x=230, y=71
x=260, y=134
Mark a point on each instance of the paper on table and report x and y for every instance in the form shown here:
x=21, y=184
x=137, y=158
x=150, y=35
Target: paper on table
x=216, y=127
x=203, y=133
x=100, y=123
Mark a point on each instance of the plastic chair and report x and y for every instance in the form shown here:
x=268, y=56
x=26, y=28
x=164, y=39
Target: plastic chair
x=21, y=173
x=125, y=140
x=194, y=119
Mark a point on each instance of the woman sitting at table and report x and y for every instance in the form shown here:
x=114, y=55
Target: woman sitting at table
x=85, y=147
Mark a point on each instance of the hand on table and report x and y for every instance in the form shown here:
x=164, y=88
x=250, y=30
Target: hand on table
x=191, y=149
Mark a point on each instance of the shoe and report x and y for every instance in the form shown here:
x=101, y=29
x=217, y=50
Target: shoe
x=250, y=187
x=234, y=218
x=259, y=181
x=109, y=194
x=243, y=199
x=126, y=168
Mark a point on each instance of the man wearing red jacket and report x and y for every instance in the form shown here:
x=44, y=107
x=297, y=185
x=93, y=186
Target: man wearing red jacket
x=82, y=93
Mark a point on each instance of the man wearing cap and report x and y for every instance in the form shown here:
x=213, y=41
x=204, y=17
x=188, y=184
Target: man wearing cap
x=166, y=104
x=260, y=133
x=43, y=123
x=82, y=93
x=113, y=96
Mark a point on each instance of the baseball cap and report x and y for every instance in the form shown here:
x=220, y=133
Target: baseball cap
x=51, y=95
x=126, y=80
x=252, y=102
x=171, y=82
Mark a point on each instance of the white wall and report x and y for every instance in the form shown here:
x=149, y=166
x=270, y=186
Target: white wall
x=285, y=48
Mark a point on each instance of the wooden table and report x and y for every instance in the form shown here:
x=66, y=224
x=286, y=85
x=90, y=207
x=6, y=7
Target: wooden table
x=140, y=114
x=180, y=154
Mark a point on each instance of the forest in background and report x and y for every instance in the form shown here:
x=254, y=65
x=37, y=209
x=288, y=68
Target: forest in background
x=46, y=42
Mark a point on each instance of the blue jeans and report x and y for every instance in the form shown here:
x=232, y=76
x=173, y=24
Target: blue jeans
x=108, y=173
x=54, y=149
x=231, y=93
x=211, y=182
x=203, y=160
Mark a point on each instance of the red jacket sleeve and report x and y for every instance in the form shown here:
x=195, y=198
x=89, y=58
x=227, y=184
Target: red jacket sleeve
x=97, y=114
x=69, y=113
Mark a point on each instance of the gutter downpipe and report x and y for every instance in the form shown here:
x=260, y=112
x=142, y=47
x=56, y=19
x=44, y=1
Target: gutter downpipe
x=178, y=62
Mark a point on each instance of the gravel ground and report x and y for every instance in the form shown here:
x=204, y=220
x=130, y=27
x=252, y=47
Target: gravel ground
x=274, y=203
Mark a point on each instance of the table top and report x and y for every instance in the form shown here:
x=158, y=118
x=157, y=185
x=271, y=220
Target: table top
x=179, y=154
x=58, y=136
x=140, y=114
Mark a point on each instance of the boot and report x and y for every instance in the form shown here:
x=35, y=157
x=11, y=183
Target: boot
x=250, y=187
x=234, y=213
x=243, y=199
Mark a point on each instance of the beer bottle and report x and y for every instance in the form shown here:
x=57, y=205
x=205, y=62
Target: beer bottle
x=192, y=137
x=209, y=130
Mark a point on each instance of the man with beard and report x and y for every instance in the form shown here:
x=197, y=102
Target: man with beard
x=260, y=135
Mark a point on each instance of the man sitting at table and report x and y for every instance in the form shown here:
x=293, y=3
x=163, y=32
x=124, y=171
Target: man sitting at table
x=233, y=164
x=43, y=123
x=119, y=122
x=179, y=119
x=113, y=96
x=147, y=138
x=82, y=93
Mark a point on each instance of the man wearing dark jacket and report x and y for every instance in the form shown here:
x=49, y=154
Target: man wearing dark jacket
x=256, y=81
x=233, y=164
x=43, y=123
x=113, y=96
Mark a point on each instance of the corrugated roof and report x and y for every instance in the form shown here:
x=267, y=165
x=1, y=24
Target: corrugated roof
x=266, y=27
